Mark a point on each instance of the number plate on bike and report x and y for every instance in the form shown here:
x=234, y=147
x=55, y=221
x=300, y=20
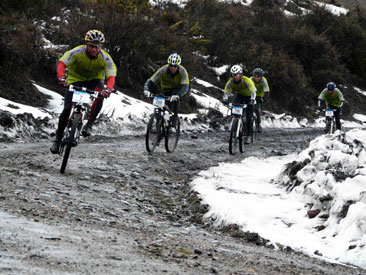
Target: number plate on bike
x=237, y=110
x=159, y=102
x=329, y=113
x=80, y=97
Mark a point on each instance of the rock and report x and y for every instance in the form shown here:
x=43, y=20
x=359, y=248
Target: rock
x=313, y=213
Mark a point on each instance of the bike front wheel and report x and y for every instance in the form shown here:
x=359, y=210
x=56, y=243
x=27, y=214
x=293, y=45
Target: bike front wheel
x=153, y=132
x=235, y=136
x=172, y=136
x=70, y=141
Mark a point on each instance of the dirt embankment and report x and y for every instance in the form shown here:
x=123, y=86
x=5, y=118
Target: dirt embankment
x=119, y=210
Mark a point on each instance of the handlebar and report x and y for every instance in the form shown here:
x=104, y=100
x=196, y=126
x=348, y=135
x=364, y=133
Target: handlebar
x=159, y=95
x=82, y=89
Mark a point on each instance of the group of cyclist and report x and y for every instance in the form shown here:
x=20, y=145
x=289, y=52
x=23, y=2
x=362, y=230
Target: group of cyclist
x=89, y=66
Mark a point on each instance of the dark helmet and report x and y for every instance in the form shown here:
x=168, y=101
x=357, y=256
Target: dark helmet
x=94, y=36
x=258, y=72
x=331, y=86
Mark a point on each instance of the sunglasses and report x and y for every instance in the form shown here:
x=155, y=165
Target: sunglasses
x=94, y=46
x=173, y=66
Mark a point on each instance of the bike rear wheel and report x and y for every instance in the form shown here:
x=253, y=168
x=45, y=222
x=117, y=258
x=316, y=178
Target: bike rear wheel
x=153, y=132
x=235, y=138
x=70, y=141
x=172, y=136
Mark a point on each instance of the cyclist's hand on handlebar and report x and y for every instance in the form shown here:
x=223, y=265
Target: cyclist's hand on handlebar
x=252, y=101
x=62, y=81
x=174, y=98
x=147, y=93
x=105, y=93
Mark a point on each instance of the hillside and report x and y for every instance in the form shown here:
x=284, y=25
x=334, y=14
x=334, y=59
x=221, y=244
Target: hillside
x=300, y=53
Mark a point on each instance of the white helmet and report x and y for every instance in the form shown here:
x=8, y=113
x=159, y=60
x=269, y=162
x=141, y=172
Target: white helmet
x=236, y=69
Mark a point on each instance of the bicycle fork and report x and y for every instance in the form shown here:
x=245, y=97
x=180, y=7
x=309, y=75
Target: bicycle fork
x=238, y=128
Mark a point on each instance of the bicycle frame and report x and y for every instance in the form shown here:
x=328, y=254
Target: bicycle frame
x=237, y=111
x=237, y=128
x=71, y=136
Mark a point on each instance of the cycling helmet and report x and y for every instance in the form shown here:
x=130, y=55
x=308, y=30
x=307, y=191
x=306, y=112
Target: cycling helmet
x=94, y=36
x=331, y=86
x=174, y=59
x=236, y=69
x=258, y=72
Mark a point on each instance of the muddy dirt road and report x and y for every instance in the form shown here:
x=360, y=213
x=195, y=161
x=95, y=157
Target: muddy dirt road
x=119, y=210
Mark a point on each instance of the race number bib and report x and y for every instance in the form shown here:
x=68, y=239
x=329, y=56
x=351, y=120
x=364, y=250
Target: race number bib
x=159, y=102
x=80, y=97
x=237, y=110
x=329, y=113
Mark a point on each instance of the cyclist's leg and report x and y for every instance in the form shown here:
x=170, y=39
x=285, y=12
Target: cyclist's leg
x=62, y=121
x=249, y=115
x=337, y=115
x=173, y=106
x=258, y=107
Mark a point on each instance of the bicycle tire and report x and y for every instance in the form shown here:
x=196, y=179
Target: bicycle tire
x=233, y=140
x=329, y=126
x=153, y=132
x=172, y=136
x=252, y=136
x=70, y=142
x=241, y=138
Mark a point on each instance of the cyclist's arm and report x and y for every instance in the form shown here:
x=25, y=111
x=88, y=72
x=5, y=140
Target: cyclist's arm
x=251, y=87
x=110, y=82
x=61, y=69
x=183, y=90
x=149, y=84
x=184, y=82
x=228, y=87
x=265, y=85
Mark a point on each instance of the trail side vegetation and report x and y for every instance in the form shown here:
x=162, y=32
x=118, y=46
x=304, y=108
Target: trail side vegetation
x=300, y=52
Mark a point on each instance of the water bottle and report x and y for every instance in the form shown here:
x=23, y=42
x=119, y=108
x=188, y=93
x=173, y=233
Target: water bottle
x=166, y=118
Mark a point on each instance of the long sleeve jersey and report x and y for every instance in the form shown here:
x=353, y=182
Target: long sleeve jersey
x=244, y=87
x=84, y=68
x=169, y=82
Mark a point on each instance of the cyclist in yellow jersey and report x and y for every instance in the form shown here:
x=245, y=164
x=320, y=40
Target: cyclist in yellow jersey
x=88, y=66
x=245, y=92
x=173, y=81
x=262, y=86
x=333, y=98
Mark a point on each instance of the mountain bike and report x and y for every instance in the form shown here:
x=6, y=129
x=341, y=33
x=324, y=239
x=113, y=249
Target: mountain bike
x=161, y=126
x=81, y=99
x=238, y=129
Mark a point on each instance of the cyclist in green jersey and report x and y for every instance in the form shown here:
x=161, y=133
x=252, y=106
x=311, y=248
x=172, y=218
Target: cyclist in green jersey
x=262, y=86
x=333, y=98
x=88, y=66
x=245, y=92
x=173, y=81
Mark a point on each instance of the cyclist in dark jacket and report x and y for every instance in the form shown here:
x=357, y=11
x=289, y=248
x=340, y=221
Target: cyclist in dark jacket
x=173, y=80
x=88, y=66
x=334, y=100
